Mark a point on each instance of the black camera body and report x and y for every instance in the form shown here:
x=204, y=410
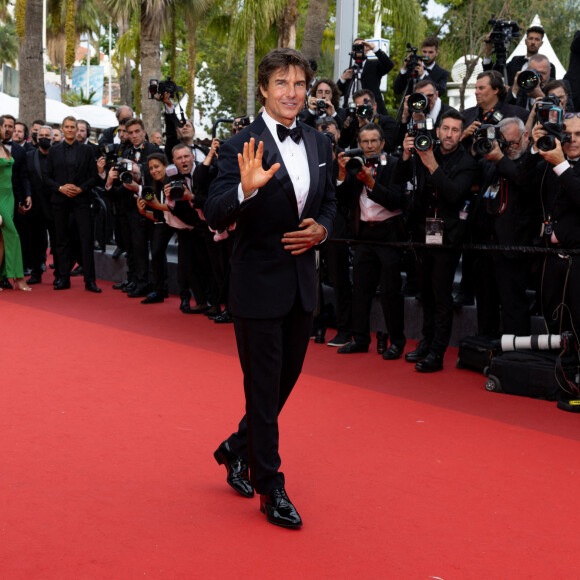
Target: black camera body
x=157, y=87
x=485, y=137
x=413, y=59
x=529, y=79
x=109, y=152
x=358, y=54
x=421, y=131
x=549, y=114
x=502, y=33
x=356, y=160
x=365, y=111
x=321, y=106
x=124, y=168
x=176, y=183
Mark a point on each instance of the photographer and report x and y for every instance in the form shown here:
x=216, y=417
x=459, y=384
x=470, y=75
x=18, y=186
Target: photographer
x=437, y=215
x=368, y=71
x=323, y=102
x=420, y=68
x=363, y=113
x=529, y=84
x=112, y=135
x=558, y=90
x=366, y=182
x=505, y=213
x=559, y=179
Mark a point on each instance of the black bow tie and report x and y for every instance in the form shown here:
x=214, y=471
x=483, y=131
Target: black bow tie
x=295, y=134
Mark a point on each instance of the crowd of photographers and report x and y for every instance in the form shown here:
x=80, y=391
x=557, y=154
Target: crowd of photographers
x=499, y=174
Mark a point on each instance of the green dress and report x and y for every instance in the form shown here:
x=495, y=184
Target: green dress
x=12, y=266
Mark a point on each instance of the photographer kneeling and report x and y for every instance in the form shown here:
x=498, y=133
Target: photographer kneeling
x=444, y=174
x=365, y=180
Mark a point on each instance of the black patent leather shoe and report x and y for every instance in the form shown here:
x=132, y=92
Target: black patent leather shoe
x=120, y=285
x=129, y=287
x=393, y=352
x=90, y=286
x=422, y=350
x=279, y=509
x=224, y=318
x=432, y=363
x=62, y=284
x=139, y=292
x=352, y=347
x=153, y=298
x=34, y=280
x=237, y=469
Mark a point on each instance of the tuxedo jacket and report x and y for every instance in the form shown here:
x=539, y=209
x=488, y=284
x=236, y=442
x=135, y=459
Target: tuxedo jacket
x=20, y=182
x=372, y=73
x=437, y=74
x=265, y=279
x=573, y=74
x=84, y=174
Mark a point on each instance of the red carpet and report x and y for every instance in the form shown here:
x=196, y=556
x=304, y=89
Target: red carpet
x=110, y=412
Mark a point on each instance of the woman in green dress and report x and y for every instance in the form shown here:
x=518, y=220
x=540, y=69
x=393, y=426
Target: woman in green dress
x=10, y=250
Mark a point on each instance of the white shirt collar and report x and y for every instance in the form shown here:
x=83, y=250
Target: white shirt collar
x=271, y=124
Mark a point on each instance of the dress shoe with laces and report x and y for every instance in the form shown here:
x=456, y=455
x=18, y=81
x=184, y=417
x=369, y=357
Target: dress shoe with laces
x=153, y=298
x=352, y=347
x=279, y=509
x=237, y=469
x=432, y=363
x=393, y=352
x=62, y=284
x=224, y=318
x=139, y=292
x=90, y=286
x=422, y=350
x=34, y=280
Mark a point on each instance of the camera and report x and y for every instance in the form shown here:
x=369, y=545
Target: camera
x=176, y=183
x=358, y=54
x=124, y=168
x=365, y=111
x=321, y=106
x=356, y=160
x=502, y=33
x=147, y=193
x=421, y=131
x=418, y=103
x=529, y=79
x=157, y=87
x=109, y=152
x=549, y=114
x=240, y=123
x=484, y=138
x=413, y=59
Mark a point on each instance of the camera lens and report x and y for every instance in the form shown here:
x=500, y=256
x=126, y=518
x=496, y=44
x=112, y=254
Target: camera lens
x=422, y=142
x=528, y=80
x=417, y=103
x=546, y=143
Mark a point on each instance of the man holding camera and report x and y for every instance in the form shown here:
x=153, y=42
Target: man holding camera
x=111, y=135
x=419, y=68
x=365, y=73
x=437, y=216
x=559, y=179
x=376, y=208
x=323, y=102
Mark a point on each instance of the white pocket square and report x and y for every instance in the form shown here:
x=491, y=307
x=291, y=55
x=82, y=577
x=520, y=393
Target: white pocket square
x=322, y=165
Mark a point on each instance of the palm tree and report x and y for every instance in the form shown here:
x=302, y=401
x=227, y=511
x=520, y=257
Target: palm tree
x=287, y=25
x=8, y=42
x=31, y=68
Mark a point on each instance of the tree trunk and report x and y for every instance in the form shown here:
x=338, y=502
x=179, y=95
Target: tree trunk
x=287, y=25
x=251, y=76
x=314, y=28
x=125, y=76
x=150, y=69
x=31, y=68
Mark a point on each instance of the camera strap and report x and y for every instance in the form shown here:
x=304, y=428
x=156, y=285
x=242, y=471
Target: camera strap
x=503, y=199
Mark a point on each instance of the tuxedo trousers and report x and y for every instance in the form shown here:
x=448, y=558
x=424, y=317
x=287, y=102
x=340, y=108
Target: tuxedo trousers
x=271, y=353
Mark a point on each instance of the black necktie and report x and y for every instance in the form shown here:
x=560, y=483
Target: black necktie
x=295, y=134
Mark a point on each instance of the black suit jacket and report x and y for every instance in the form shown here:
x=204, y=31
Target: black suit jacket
x=514, y=66
x=437, y=74
x=20, y=182
x=573, y=74
x=36, y=163
x=85, y=173
x=372, y=73
x=264, y=277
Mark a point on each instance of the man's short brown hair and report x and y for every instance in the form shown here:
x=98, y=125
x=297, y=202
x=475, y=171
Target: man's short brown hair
x=430, y=41
x=135, y=121
x=280, y=59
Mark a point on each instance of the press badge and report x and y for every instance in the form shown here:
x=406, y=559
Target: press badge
x=434, y=231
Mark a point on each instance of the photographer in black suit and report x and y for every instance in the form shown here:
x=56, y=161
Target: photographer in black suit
x=324, y=101
x=71, y=173
x=371, y=71
x=424, y=69
x=111, y=135
x=377, y=207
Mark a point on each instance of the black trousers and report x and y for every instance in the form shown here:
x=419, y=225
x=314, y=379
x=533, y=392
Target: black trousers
x=139, y=233
x=271, y=354
x=159, y=241
x=64, y=250
x=371, y=265
x=436, y=269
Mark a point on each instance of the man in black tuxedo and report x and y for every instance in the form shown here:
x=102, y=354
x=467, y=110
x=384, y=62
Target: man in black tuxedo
x=559, y=179
x=71, y=173
x=534, y=40
x=573, y=73
x=281, y=197
x=373, y=70
x=423, y=70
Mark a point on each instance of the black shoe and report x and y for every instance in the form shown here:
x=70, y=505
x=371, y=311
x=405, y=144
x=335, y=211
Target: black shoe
x=319, y=335
x=352, y=347
x=462, y=300
x=279, y=509
x=139, y=292
x=224, y=318
x=382, y=339
x=152, y=298
x=120, y=285
x=237, y=469
x=27, y=272
x=422, y=350
x=90, y=286
x=212, y=312
x=339, y=340
x=34, y=280
x=117, y=253
x=197, y=309
x=6, y=285
x=393, y=352
x=78, y=271
x=432, y=363
x=62, y=284
x=129, y=287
